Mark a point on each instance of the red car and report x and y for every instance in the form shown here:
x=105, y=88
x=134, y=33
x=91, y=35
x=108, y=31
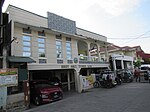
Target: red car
x=42, y=91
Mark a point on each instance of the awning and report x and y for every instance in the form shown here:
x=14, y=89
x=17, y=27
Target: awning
x=20, y=59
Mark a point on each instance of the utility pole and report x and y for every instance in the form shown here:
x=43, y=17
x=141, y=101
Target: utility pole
x=1, y=27
x=3, y=89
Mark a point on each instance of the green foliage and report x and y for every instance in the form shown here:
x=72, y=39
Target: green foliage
x=137, y=63
x=42, y=55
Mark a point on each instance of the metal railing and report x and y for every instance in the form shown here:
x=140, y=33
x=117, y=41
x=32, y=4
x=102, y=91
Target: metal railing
x=90, y=59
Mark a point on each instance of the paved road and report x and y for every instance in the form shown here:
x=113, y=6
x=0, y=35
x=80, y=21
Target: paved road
x=129, y=97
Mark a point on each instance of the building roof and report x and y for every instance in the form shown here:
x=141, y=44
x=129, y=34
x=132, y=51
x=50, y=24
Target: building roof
x=109, y=48
x=143, y=55
x=91, y=35
x=124, y=48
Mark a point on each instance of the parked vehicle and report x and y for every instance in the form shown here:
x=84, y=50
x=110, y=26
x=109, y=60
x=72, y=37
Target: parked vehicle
x=105, y=79
x=145, y=69
x=55, y=81
x=147, y=75
x=119, y=77
x=127, y=76
x=42, y=91
x=118, y=80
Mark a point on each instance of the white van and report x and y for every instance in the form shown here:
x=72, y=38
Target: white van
x=145, y=67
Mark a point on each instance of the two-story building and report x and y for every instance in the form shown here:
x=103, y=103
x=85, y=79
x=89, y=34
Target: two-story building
x=48, y=47
x=131, y=52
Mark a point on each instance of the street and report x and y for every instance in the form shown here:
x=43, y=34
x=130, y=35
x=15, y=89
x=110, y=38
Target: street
x=128, y=97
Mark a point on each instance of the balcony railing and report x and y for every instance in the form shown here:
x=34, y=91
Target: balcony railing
x=90, y=60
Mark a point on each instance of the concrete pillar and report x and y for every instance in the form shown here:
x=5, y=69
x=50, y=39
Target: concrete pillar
x=106, y=53
x=132, y=65
x=68, y=79
x=88, y=52
x=77, y=80
x=114, y=64
x=98, y=51
x=122, y=64
x=88, y=72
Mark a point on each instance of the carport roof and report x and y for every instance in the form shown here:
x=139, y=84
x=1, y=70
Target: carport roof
x=20, y=59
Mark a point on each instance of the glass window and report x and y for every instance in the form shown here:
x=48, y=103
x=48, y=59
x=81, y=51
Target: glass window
x=28, y=54
x=58, y=37
x=42, y=50
x=68, y=53
x=59, y=48
x=68, y=57
x=26, y=49
x=26, y=38
x=58, y=43
x=41, y=47
x=41, y=33
x=27, y=30
x=42, y=60
x=68, y=44
x=41, y=40
x=68, y=39
x=68, y=50
x=26, y=45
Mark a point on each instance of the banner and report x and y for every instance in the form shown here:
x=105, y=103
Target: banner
x=8, y=77
x=86, y=82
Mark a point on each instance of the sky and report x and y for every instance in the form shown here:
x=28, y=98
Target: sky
x=123, y=22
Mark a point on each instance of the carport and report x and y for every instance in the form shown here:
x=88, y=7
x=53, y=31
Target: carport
x=66, y=77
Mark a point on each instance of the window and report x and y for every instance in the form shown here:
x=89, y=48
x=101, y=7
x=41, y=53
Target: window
x=68, y=48
x=26, y=45
x=41, y=33
x=42, y=60
x=41, y=47
x=27, y=30
x=59, y=48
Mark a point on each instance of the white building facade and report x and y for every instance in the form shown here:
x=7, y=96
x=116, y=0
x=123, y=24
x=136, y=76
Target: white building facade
x=56, y=46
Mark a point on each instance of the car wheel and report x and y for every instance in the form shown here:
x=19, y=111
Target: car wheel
x=61, y=96
x=37, y=101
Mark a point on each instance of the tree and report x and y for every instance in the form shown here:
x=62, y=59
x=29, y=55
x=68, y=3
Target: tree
x=137, y=63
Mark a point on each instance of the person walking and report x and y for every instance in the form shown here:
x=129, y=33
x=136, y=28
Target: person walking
x=137, y=75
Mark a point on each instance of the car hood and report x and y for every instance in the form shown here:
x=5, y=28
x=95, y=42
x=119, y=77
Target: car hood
x=49, y=90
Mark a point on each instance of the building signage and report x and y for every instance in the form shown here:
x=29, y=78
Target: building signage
x=75, y=66
x=64, y=66
x=8, y=77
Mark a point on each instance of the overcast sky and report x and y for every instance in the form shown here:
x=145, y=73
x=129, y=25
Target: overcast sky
x=123, y=22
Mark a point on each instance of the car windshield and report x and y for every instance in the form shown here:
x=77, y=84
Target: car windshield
x=145, y=68
x=41, y=85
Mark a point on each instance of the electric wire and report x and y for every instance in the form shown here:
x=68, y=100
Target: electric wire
x=128, y=38
x=140, y=36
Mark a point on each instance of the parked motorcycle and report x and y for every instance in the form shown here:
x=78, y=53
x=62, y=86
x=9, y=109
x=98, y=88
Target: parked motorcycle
x=106, y=80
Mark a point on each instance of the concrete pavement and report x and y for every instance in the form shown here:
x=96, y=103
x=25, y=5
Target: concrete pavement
x=129, y=97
